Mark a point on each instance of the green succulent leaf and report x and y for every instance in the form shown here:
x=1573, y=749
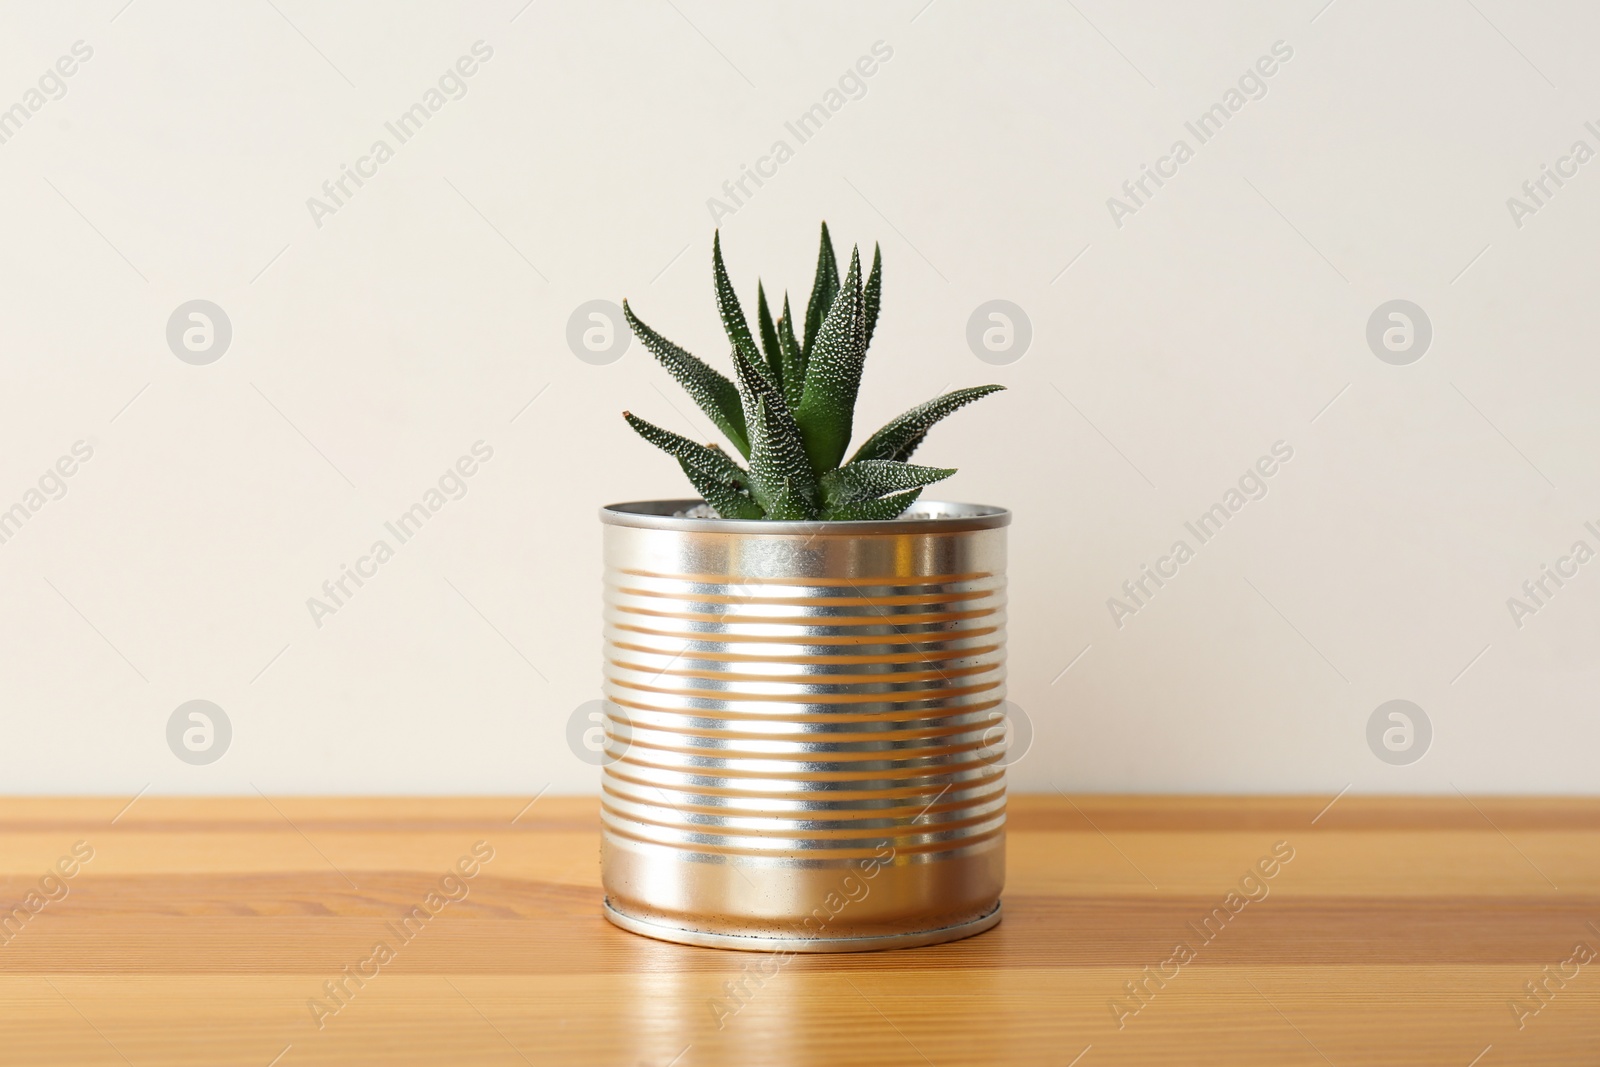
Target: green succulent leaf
x=721, y=482
x=887, y=507
x=733, y=320
x=726, y=500
x=708, y=459
x=833, y=376
x=901, y=436
x=873, y=293
x=781, y=478
x=753, y=385
x=794, y=359
x=769, y=337
x=869, y=479
x=823, y=289
x=713, y=392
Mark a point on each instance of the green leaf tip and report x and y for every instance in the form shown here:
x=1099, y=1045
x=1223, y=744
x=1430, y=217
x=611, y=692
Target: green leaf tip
x=733, y=320
x=769, y=337
x=872, y=295
x=824, y=287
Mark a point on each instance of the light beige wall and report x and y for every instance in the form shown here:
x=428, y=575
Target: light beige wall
x=1172, y=346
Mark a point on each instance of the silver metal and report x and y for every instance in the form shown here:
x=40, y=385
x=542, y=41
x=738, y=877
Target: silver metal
x=740, y=943
x=802, y=717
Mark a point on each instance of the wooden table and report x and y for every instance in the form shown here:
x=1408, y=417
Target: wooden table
x=203, y=931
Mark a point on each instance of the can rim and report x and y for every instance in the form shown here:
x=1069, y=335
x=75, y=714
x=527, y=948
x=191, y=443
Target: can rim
x=687, y=935
x=925, y=516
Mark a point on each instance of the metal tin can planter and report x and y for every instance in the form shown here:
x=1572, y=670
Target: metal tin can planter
x=800, y=726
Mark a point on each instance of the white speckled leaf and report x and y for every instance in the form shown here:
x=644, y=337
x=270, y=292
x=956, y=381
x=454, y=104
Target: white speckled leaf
x=781, y=478
x=901, y=436
x=714, y=393
x=733, y=320
x=888, y=507
x=833, y=376
x=824, y=287
x=726, y=500
x=720, y=481
x=794, y=360
x=712, y=461
x=872, y=295
x=770, y=344
x=869, y=479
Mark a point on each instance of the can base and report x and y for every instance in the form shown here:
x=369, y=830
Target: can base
x=746, y=943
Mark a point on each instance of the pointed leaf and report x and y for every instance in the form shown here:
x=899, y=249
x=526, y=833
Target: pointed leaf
x=869, y=479
x=873, y=293
x=833, y=376
x=720, y=481
x=781, y=478
x=769, y=337
x=888, y=507
x=733, y=320
x=726, y=500
x=714, y=393
x=706, y=459
x=901, y=436
x=823, y=289
x=794, y=360
x=753, y=384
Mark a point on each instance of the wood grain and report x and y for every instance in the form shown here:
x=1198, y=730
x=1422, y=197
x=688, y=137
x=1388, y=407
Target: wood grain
x=1401, y=932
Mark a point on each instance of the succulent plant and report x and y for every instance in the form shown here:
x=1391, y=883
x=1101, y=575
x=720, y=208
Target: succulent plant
x=792, y=410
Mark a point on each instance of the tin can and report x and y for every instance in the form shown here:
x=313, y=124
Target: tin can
x=801, y=727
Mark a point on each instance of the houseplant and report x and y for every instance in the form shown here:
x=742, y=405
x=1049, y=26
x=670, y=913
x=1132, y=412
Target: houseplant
x=804, y=668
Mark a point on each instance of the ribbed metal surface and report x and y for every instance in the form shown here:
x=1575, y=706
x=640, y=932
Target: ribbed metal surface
x=789, y=696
